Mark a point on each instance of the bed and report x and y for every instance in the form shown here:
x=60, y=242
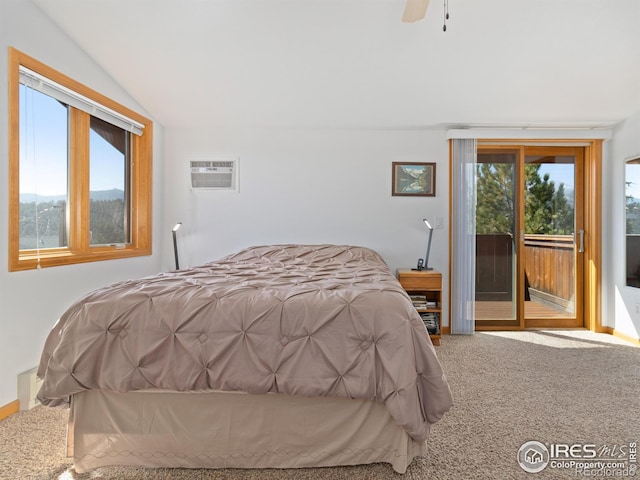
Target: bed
x=277, y=356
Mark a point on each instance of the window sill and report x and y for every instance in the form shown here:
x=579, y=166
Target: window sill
x=31, y=260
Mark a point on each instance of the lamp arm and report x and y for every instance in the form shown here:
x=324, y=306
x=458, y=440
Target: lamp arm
x=175, y=249
x=426, y=258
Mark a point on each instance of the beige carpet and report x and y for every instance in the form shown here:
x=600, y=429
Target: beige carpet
x=509, y=388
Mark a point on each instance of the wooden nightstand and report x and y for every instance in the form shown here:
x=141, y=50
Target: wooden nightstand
x=425, y=289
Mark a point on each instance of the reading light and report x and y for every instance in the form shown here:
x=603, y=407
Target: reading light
x=175, y=228
x=424, y=265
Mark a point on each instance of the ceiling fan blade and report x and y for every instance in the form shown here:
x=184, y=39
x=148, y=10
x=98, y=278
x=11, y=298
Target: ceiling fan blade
x=414, y=10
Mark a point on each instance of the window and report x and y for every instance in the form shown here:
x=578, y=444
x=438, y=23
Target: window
x=80, y=171
x=632, y=217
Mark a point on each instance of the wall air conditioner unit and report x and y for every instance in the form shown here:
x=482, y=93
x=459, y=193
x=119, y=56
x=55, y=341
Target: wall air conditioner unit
x=214, y=174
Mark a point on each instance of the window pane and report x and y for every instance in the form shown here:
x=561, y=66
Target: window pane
x=549, y=202
x=44, y=133
x=632, y=193
x=108, y=183
x=632, y=196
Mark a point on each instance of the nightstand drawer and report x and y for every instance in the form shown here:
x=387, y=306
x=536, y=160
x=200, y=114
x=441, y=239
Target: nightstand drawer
x=420, y=280
x=429, y=283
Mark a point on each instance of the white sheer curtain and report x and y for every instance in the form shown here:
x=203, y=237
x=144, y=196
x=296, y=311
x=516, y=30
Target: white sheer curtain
x=463, y=248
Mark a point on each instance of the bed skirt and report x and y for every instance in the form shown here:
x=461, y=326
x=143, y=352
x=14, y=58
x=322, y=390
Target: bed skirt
x=232, y=430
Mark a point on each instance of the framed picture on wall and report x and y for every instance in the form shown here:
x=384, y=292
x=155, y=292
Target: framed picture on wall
x=413, y=179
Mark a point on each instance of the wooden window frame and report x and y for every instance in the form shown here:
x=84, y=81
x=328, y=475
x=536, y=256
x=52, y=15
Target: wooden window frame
x=79, y=249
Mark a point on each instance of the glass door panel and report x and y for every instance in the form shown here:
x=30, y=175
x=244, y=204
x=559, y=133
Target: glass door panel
x=496, y=227
x=552, y=237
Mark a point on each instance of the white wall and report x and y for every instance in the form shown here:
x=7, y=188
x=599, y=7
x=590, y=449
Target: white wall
x=307, y=186
x=30, y=302
x=623, y=299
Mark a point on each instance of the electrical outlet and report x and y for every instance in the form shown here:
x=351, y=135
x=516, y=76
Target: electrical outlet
x=637, y=308
x=438, y=222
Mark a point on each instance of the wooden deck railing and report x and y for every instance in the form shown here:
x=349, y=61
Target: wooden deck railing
x=549, y=268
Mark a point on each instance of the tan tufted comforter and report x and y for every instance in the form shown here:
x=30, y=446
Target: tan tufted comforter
x=290, y=319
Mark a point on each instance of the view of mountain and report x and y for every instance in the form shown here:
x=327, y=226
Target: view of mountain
x=98, y=195
x=113, y=194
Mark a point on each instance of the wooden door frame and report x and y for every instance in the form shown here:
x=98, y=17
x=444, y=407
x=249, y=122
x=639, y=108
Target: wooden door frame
x=593, y=236
x=592, y=257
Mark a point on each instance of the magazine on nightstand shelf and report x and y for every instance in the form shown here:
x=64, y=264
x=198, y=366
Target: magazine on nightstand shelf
x=431, y=321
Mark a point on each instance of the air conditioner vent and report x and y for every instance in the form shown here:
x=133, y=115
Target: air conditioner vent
x=214, y=174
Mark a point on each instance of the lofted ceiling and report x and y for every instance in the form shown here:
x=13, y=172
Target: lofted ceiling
x=354, y=64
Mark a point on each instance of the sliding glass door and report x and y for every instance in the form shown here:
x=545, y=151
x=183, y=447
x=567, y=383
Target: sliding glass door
x=529, y=236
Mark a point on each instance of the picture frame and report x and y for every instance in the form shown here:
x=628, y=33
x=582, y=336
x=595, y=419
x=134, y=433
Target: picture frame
x=413, y=179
